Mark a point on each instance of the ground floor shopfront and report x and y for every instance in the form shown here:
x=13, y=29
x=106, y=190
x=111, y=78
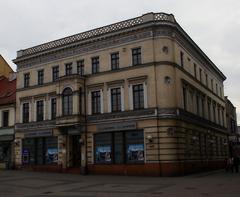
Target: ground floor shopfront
x=6, y=148
x=139, y=147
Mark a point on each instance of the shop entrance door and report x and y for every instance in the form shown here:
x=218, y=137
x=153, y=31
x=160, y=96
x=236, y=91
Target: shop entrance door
x=76, y=151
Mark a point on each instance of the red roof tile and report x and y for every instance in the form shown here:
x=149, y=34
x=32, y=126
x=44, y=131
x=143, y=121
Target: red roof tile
x=7, y=91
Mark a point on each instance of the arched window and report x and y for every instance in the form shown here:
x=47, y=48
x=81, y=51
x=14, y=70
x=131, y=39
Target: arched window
x=67, y=101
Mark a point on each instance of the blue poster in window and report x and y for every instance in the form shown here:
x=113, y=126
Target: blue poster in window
x=25, y=156
x=52, y=155
x=103, y=154
x=135, y=152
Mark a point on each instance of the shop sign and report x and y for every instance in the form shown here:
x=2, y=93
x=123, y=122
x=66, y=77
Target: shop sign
x=6, y=138
x=120, y=126
x=38, y=134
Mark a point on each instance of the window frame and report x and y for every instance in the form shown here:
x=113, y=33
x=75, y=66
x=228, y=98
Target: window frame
x=5, y=122
x=136, y=56
x=115, y=61
x=140, y=96
x=40, y=77
x=68, y=69
x=67, y=99
x=53, y=109
x=95, y=64
x=116, y=94
x=39, y=110
x=80, y=67
x=26, y=80
x=25, y=112
x=55, y=73
x=96, y=102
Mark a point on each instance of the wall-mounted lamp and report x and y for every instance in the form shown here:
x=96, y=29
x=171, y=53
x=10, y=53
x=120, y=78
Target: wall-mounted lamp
x=167, y=80
x=81, y=141
x=150, y=138
x=17, y=142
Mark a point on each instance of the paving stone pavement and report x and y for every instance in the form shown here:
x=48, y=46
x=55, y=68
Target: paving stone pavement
x=33, y=184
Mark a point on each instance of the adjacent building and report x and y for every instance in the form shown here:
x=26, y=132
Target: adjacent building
x=137, y=97
x=7, y=120
x=5, y=69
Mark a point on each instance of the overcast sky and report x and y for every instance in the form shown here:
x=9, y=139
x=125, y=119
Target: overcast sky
x=213, y=24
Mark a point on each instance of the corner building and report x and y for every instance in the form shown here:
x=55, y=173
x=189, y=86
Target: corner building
x=137, y=97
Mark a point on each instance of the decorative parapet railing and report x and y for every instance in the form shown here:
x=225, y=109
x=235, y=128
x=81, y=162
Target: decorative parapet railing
x=154, y=17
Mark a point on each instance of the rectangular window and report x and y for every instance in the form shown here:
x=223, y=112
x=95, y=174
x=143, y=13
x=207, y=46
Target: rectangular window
x=40, y=77
x=138, y=96
x=212, y=84
x=115, y=61
x=26, y=80
x=55, y=73
x=195, y=70
x=119, y=147
x=216, y=88
x=197, y=105
x=53, y=108
x=181, y=58
x=116, y=99
x=96, y=102
x=214, y=112
x=95, y=65
x=40, y=110
x=25, y=112
x=136, y=56
x=80, y=67
x=184, y=98
x=68, y=69
x=220, y=89
x=206, y=77
x=209, y=110
x=203, y=107
x=200, y=74
x=5, y=118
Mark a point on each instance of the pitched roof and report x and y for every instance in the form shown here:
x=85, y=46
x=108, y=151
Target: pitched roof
x=7, y=91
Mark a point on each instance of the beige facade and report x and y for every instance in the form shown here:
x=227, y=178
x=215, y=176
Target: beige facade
x=180, y=125
x=5, y=69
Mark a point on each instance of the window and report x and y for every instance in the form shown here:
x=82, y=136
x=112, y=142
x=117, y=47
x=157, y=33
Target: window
x=80, y=67
x=209, y=110
x=197, y=105
x=203, y=107
x=119, y=147
x=115, y=61
x=55, y=73
x=67, y=101
x=181, y=58
x=53, y=108
x=25, y=112
x=96, y=102
x=40, y=151
x=5, y=118
x=116, y=99
x=138, y=96
x=184, y=98
x=136, y=56
x=214, y=112
x=26, y=80
x=220, y=89
x=40, y=77
x=206, y=77
x=40, y=110
x=68, y=69
x=95, y=65
x=195, y=70
x=216, y=88
x=212, y=84
x=200, y=74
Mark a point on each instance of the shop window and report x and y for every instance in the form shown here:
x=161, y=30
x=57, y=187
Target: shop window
x=119, y=147
x=40, y=151
x=67, y=101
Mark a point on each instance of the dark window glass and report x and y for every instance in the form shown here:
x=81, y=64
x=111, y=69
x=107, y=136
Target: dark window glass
x=134, y=147
x=203, y=107
x=116, y=99
x=68, y=69
x=103, y=148
x=40, y=110
x=53, y=108
x=40, y=151
x=55, y=73
x=200, y=74
x=96, y=102
x=67, y=101
x=185, y=98
x=181, y=58
x=119, y=147
x=214, y=112
x=197, y=105
x=206, y=80
x=5, y=118
x=26, y=80
x=25, y=112
x=136, y=56
x=115, y=61
x=209, y=110
x=95, y=65
x=216, y=88
x=80, y=67
x=195, y=70
x=138, y=96
x=212, y=84
x=40, y=77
